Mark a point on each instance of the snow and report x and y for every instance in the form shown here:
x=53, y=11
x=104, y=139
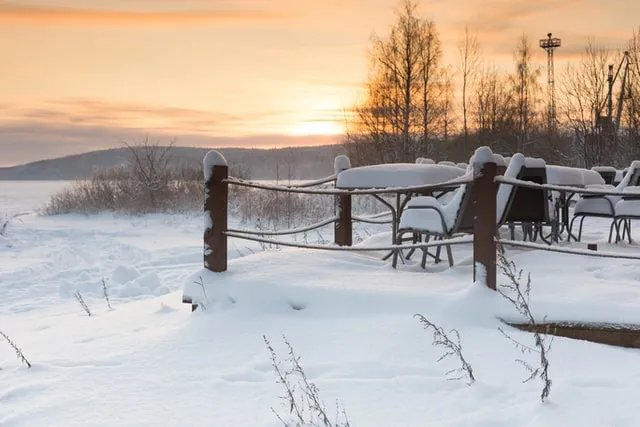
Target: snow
x=534, y=162
x=499, y=159
x=628, y=208
x=446, y=163
x=632, y=189
x=482, y=155
x=563, y=175
x=211, y=159
x=592, y=177
x=603, y=169
x=423, y=161
x=462, y=165
x=341, y=163
x=151, y=362
x=516, y=164
x=396, y=175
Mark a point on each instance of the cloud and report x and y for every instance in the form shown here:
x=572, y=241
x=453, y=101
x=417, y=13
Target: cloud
x=59, y=16
x=92, y=112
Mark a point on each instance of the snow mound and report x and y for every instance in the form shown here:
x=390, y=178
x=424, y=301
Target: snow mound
x=123, y=274
x=147, y=284
x=211, y=159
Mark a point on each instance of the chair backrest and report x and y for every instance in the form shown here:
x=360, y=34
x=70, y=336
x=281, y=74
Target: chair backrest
x=506, y=192
x=530, y=204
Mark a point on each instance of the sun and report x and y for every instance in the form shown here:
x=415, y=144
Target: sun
x=316, y=127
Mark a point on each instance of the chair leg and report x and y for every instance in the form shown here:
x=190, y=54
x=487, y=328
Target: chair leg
x=628, y=225
x=570, y=229
x=580, y=228
x=423, y=262
x=615, y=224
x=450, y=255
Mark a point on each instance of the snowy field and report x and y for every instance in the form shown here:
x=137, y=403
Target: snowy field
x=149, y=361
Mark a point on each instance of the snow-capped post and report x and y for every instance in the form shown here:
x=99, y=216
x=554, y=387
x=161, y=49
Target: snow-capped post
x=342, y=231
x=216, y=195
x=484, y=210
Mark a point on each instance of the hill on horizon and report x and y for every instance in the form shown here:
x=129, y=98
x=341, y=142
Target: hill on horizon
x=278, y=163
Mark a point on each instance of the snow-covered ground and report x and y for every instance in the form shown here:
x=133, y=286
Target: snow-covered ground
x=151, y=362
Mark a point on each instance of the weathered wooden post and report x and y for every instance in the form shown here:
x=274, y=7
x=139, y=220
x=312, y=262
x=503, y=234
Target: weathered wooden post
x=343, y=229
x=216, y=195
x=484, y=211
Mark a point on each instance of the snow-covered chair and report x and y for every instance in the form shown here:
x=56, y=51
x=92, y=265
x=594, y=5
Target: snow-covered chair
x=427, y=216
x=626, y=209
x=531, y=208
x=597, y=206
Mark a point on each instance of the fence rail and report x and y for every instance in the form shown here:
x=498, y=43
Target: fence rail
x=483, y=236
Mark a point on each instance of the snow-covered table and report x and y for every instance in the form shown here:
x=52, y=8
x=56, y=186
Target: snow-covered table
x=398, y=176
x=568, y=177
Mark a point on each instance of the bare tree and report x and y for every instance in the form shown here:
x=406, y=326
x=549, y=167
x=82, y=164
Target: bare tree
x=526, y=88
x=402, y=108
x=494, y=110
x=469, y=50
x=583, y=93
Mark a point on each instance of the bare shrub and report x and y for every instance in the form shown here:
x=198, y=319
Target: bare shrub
x=17, y=349
x=105, y=294
x=301, y=397
x=518, y=295
x=452, y=347
x=82, y=303
x=6, y=221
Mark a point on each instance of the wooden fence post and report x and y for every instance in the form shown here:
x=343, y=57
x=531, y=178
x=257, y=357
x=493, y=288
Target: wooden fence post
x=484, y=225
x=216, y=196
x=343, y=228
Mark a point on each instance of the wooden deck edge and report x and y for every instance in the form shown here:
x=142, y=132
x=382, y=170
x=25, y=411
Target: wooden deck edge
x=619, y=335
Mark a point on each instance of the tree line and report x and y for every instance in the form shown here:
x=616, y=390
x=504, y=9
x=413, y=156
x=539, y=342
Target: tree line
x=412, y=107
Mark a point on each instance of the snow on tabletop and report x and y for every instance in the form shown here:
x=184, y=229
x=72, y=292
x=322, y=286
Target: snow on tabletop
x=341, y=163
x=211, y=159
x=592, y=177
x=603, y=169
x=396, y=175
x=462, y=165
x=446, y=163
x=534, y=162
x=424, y=161
x=563, y=175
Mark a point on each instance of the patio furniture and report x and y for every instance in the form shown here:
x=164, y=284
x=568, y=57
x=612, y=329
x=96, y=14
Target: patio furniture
x=597, y=206
x=531, y=207
x=608, y=173
x=427, y=216
x=626, y=209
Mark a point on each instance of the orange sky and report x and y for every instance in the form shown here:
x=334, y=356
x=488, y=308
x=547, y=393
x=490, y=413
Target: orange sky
x=84, y=74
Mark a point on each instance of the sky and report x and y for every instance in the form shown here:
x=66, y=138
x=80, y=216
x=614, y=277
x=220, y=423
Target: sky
x=79, y=75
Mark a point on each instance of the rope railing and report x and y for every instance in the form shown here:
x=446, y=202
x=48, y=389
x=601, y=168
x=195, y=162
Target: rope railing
x=314, y=183
x=370, y=220
x=285, y=232
x=354, y=192
x=579, y=190
x=569, y=251
x=453, y=241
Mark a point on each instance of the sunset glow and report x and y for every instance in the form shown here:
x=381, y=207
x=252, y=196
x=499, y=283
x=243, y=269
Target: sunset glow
x=80, y=74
